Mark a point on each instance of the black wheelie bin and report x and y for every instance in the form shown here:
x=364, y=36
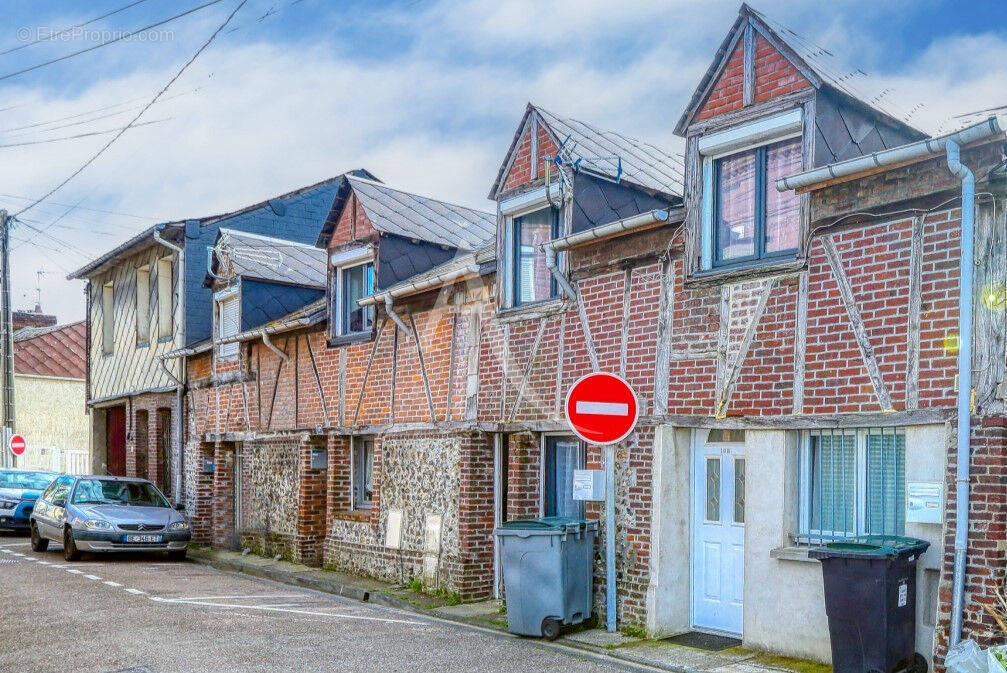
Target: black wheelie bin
x=870, y=599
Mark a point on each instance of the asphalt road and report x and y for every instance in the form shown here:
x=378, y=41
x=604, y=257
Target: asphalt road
x=143, y=613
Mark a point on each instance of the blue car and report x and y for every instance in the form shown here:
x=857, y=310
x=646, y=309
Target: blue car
x=19, y=489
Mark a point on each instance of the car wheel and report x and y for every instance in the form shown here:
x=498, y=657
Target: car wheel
x=70, y=551
x=38, y=543
x=176, y=555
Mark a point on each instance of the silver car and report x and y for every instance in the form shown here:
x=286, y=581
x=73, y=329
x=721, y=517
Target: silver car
x=107, y=514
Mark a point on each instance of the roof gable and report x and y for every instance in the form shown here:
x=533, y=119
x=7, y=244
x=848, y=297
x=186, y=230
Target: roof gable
x=787, y=61
x=587, y=148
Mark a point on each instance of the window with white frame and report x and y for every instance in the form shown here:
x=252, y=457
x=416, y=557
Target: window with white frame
x=107, y=318
x=352, y=280
x=228, y=321
x=853, y=482
x=746, y=220
x=143, y=305
x=164, y=298
x=362, y=463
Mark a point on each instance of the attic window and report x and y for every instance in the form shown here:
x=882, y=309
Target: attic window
x=745, y=220
x=352, y=280
x=531, y=281
x=228, y=321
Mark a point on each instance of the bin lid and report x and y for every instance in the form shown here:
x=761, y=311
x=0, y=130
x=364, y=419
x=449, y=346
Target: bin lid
x=870, y=546
x=546, y=523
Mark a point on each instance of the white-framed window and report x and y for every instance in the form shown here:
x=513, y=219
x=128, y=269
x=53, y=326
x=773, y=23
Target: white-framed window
x=143, y=305
x=165, y=320
x=108, y=318
x=352, y=280
x=362, y=472
x=228, y=314
x=529, y=221
x=745, y=219
x=852, y=482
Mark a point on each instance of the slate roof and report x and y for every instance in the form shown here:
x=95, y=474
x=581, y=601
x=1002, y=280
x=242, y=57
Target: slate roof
x=393, y=211
x=273, y=259
x=484, y=257
x=818, y=64
x=51, y=351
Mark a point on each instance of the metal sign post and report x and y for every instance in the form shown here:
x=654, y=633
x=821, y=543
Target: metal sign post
x=602, y=409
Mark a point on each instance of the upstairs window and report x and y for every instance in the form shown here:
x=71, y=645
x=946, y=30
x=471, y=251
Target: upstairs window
x=107, y=318
x=228, y=322
x=143, y=305
x=752, y=220
x=164, y=299
x=352, y=280
x=532, y=281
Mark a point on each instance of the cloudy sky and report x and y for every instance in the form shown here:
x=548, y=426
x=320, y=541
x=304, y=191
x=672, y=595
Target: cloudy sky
x=423, y=93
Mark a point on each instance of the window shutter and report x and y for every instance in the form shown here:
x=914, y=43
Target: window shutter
x=164, y=298
x=143, y=304
x=227, y=324
x=107, y=318
x=527, y=287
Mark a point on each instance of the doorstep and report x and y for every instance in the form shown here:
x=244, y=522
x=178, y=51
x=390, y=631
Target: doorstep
x=637, y=653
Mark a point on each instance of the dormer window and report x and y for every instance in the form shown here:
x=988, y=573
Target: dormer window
x=529, y=221
x=352, y=280
x=746, y=220
x=228, y=314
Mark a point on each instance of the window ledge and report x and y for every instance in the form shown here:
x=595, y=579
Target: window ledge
x=534, y=311
x=359, y=515
x=799, y=554
x=722, y=275
x=345, y=339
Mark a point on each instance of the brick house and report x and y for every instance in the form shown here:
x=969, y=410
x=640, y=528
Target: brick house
x=793, y=353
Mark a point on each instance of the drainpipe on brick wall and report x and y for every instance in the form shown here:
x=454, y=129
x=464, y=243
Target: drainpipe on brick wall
x=271, y=346
x=180, y=342
x=396, y=318
x=964, y=386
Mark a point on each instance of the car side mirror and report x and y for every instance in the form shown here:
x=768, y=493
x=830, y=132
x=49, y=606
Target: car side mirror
x=60, y=502
x=180, y=506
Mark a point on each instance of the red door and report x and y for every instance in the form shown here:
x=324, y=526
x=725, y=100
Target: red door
x=115, y=441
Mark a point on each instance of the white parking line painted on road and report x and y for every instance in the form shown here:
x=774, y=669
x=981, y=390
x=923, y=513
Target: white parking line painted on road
x=136, y=592
x=286, y=610
x=44, y=563
x=111, y=583
x=92, y=577
x=75, y=571
x=18, y=554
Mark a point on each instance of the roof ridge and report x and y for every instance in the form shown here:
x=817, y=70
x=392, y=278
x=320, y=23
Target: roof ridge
x=598, y=129
x=286, y=242
x=384, y=185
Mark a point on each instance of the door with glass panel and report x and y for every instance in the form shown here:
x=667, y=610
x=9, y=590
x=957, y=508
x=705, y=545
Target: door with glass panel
x=718, y=531
x=562, y=455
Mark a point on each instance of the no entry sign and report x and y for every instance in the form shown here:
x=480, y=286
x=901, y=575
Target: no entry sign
x=601, y=408
x=17, y=445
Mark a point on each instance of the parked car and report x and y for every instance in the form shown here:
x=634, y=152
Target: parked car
x=98, y=513
x=18, y=491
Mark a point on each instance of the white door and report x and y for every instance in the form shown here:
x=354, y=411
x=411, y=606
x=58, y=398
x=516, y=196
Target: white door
x=718, y=535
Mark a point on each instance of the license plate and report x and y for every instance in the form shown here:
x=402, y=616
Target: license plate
x=142, y=538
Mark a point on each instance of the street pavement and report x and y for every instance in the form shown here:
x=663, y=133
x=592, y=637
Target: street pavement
x=143, y=613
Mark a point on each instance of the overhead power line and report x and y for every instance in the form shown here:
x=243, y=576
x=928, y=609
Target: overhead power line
x=93, y=210
x=117, y=38
x=135, y=119
x=67, y=31
x=81, y=135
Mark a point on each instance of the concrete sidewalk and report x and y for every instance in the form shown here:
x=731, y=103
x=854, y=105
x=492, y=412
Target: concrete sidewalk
x=637, y=653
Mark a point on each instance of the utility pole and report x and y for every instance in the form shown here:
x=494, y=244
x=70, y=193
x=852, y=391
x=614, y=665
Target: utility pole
x=7, y=335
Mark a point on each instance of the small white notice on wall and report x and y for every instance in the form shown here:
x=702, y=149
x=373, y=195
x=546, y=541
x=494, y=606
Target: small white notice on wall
x=903, y=593
x=393, y=529
x=589, y=485
x=923, y=502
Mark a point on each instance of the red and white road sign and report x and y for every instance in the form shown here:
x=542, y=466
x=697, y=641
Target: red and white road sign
x=17, y=445
x=601, y=408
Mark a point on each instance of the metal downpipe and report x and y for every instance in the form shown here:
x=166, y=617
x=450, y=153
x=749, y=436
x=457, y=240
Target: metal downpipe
x=966, y=268
x=179, y=326
x=396, y=318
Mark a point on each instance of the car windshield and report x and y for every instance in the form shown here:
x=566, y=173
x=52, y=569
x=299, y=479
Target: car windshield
x=35, y=481
x=111, y=492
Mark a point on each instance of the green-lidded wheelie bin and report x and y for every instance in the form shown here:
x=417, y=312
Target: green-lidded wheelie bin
x=870, y=599
x=547, y=570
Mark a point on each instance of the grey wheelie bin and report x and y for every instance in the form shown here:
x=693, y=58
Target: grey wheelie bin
x=547, y=567
x=870, y=599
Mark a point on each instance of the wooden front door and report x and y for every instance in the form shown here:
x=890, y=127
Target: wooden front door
x=115, y=441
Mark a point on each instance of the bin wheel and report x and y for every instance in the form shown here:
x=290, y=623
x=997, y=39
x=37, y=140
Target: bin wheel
x=550, y=628
x=919, y=663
